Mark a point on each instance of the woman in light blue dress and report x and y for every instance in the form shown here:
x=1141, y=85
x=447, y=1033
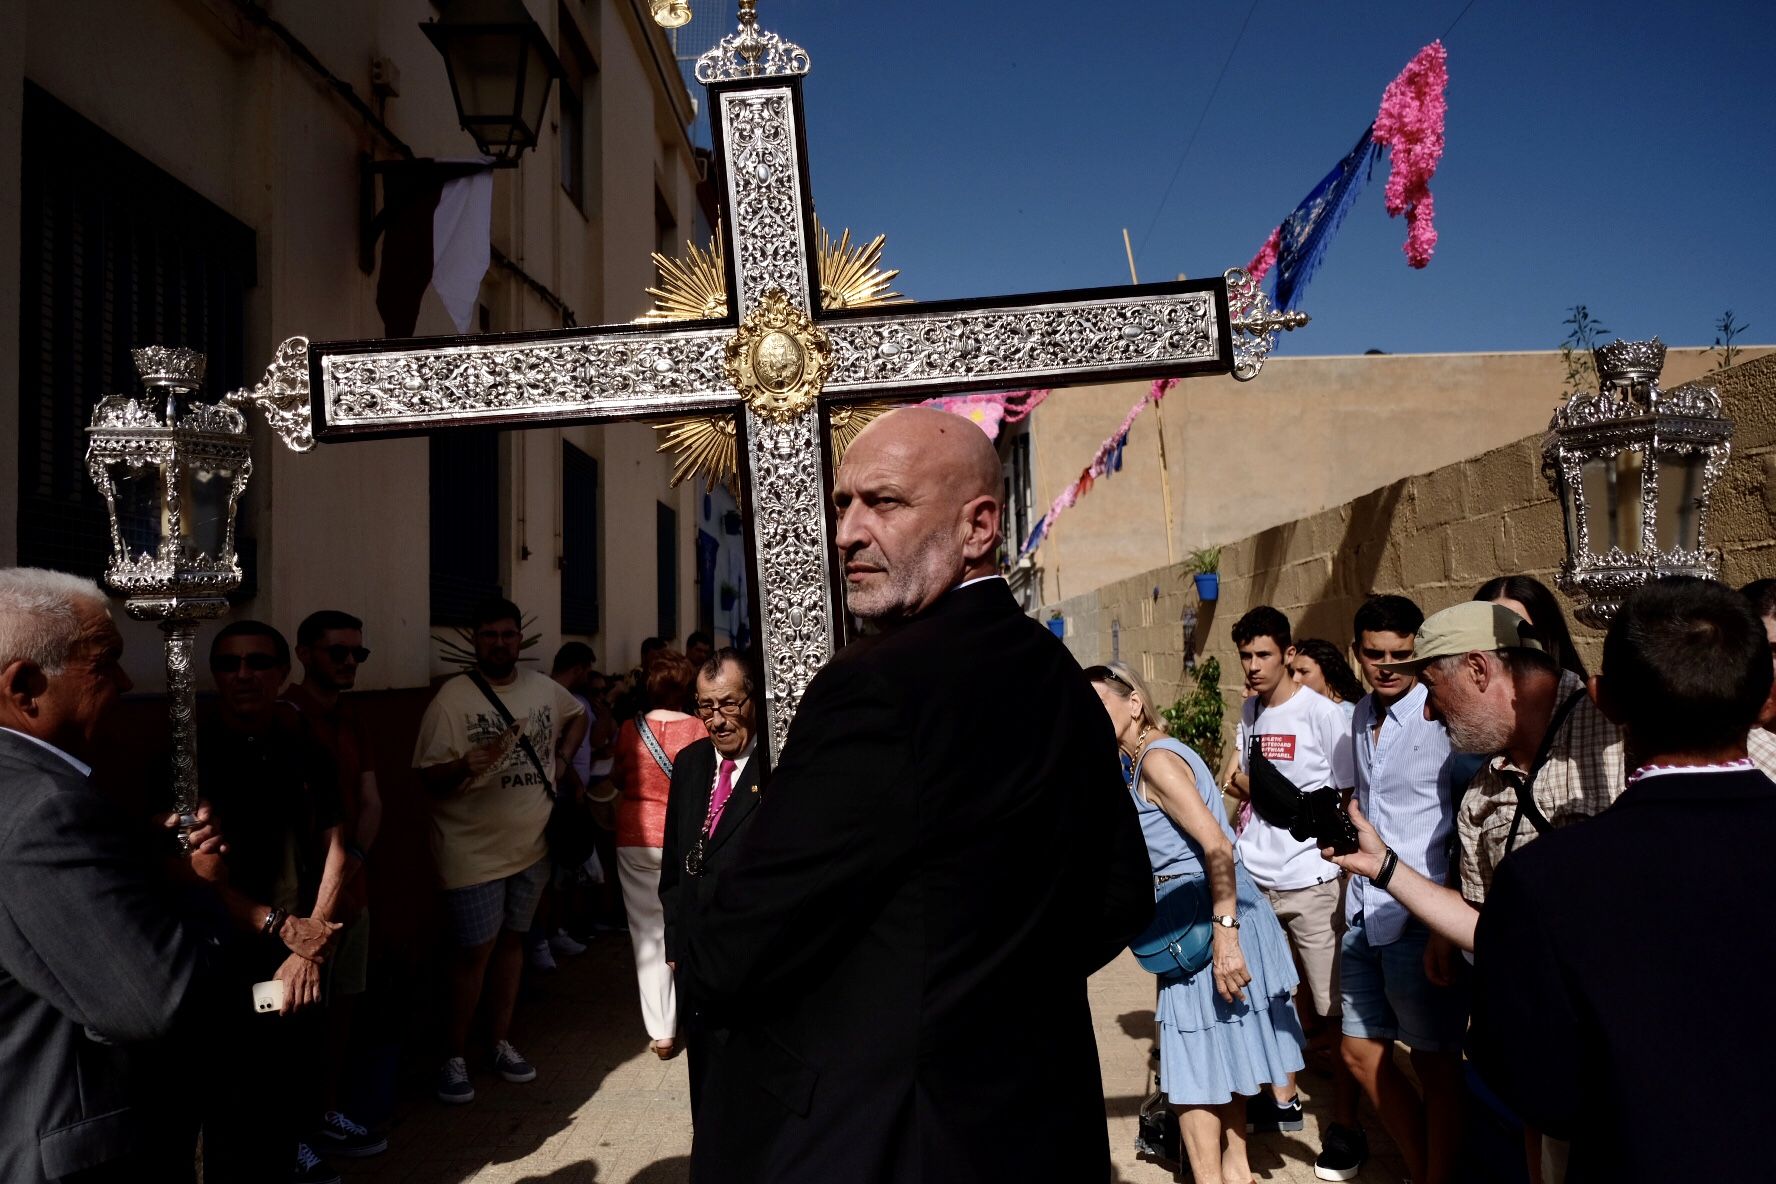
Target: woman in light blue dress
x=1230, y=1029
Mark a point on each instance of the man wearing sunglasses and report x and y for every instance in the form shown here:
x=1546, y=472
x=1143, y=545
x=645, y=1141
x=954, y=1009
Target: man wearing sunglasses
x=278, y=793
x=330, y=646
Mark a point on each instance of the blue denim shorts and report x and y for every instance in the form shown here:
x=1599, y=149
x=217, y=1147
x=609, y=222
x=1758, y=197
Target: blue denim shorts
x=1388, y=997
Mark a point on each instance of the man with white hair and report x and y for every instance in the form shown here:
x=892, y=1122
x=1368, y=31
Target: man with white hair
x=895, y=959
x=95, y=959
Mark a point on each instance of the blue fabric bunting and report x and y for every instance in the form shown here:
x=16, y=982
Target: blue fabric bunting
x=1307, y=231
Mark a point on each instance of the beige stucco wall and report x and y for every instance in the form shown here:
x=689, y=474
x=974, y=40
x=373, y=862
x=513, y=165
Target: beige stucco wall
x=1307, y=434
x=228, y=111
x=1434, y=537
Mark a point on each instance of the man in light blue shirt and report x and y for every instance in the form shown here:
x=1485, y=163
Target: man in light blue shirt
x=1406, y=774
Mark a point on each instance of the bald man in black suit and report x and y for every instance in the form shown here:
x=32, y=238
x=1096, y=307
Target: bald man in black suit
x=896, y=960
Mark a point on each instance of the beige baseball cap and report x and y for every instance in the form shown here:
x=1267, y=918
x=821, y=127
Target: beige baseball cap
x=1473, y=625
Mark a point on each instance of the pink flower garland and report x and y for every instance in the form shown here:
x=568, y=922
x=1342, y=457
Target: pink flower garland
x=1411, y=124
x=1266, y=257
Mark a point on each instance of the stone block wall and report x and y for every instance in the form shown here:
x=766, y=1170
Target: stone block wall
x=1434, y=537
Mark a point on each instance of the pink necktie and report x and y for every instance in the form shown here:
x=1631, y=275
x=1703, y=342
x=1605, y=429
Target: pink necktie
x=724, y=788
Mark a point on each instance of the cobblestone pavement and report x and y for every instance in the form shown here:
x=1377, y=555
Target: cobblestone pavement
x=604, y=1110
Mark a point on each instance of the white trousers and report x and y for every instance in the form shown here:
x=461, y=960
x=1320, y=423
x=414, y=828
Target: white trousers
x=638, y=870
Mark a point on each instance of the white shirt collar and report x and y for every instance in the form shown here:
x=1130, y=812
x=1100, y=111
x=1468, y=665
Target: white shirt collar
x=1648, y=771
x=80, y=766
x=739, y=761
x=977, y=580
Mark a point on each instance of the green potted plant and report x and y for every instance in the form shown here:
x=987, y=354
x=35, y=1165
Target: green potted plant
x=1205, y=565
x=1057, y=624
x=1196, y=718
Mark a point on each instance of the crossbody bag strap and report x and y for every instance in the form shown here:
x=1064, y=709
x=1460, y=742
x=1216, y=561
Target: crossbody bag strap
x=1526, y=803
x=653, y=745
x=499, y=705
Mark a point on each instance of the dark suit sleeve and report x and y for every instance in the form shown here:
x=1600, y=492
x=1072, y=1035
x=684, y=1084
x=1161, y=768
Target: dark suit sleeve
x=1527, y=1035
x=829, y=842
x=83, y=926
x=1125, y=891
x=672, y=851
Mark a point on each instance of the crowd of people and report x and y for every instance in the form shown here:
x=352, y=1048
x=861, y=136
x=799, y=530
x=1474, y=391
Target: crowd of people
x=874, y=952
x=1481, y=731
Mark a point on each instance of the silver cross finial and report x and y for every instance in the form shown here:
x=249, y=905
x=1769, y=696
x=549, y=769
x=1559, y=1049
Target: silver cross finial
x=751, y=53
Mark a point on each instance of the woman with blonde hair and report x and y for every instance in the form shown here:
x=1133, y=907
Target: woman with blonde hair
x=1228, y=1030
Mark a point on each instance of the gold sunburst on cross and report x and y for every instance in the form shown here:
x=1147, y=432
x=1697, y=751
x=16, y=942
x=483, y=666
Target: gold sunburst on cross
x=695, y=289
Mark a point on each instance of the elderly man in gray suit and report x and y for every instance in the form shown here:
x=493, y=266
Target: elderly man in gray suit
x=95, y=962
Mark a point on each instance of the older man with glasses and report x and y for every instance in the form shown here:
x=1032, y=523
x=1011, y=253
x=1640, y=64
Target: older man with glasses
x=715, y=785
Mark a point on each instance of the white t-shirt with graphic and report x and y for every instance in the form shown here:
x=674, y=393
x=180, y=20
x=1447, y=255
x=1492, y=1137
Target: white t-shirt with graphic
x=1308, y=738
x=493, y=826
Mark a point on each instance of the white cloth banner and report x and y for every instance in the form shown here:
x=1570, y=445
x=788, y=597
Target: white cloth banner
x=462, y=232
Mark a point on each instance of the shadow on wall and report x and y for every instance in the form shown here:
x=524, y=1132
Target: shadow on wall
x=1354, y=565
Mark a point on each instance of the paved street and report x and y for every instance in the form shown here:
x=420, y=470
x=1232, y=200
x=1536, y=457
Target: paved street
x=603, y=1110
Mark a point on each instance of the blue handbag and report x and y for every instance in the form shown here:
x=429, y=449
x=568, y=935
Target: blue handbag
x=1179, y=940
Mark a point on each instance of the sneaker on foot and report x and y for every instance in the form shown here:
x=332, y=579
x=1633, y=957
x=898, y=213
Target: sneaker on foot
x=512, y=1065
x=1264, y=1114
x=563, y=943
x=341, y=1136
x=311, y=1168
x=453, y=1082
x=539, y=956
x=1342, y=1153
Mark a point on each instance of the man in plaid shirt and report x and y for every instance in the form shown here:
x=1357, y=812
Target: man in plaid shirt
x=1497, y=691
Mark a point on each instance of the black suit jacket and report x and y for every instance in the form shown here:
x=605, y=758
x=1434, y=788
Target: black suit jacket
x=94, y=963
x=693, y=772
x=898, y=953
x=1622, y=967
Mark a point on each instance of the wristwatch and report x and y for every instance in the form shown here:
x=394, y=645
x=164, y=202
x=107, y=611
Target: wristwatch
x=1226, y=921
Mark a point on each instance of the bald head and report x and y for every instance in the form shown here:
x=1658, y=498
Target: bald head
x=954, y=450
x=917, y=501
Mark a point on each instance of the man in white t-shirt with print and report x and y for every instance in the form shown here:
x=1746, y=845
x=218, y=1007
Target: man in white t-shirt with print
x=1306, y=736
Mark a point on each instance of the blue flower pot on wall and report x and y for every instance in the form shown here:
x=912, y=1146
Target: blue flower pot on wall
x=1058, y=627
x=1208, y=585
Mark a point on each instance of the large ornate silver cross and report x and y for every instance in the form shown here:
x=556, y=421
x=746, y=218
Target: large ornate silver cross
x=778, y=360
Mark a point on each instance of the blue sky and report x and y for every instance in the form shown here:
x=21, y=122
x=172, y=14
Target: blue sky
x=1622, y=155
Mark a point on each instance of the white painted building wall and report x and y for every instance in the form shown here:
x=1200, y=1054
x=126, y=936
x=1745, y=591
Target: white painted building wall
x=224, y=107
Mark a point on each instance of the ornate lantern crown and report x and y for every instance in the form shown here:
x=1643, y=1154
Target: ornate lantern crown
x=1633, y=467
x=171, y=470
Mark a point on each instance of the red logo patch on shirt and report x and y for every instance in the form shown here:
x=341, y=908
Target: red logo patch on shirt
x=1277, y=746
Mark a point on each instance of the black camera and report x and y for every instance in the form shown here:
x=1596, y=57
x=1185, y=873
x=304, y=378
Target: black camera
x=1320, y=815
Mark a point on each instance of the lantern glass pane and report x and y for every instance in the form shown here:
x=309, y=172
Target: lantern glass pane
x=485, y=68
x=141, y=513
x=1569, y=509
x=204, y=506
x=1612, y=502
x=1680, y=501
x=536, y=91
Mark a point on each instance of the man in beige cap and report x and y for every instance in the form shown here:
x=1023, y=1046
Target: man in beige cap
x=1494, y=687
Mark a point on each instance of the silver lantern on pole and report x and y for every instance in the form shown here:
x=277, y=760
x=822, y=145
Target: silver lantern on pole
x=172, y=470
x=1633, y=466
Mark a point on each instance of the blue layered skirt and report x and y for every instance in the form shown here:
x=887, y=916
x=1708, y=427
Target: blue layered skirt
x=1209, y=1049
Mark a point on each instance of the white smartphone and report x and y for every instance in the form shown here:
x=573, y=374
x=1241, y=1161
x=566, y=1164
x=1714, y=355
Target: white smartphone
x=268, y=996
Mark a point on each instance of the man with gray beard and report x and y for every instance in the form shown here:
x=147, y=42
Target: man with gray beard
x=894, y=964
x=1496, y=690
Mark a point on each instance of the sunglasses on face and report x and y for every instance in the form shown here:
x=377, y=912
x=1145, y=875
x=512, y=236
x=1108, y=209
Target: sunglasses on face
x=1105, y=674
x=231, y=663
x=339, y=653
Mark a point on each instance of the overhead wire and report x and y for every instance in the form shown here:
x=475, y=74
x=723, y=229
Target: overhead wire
x=1197, y=130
